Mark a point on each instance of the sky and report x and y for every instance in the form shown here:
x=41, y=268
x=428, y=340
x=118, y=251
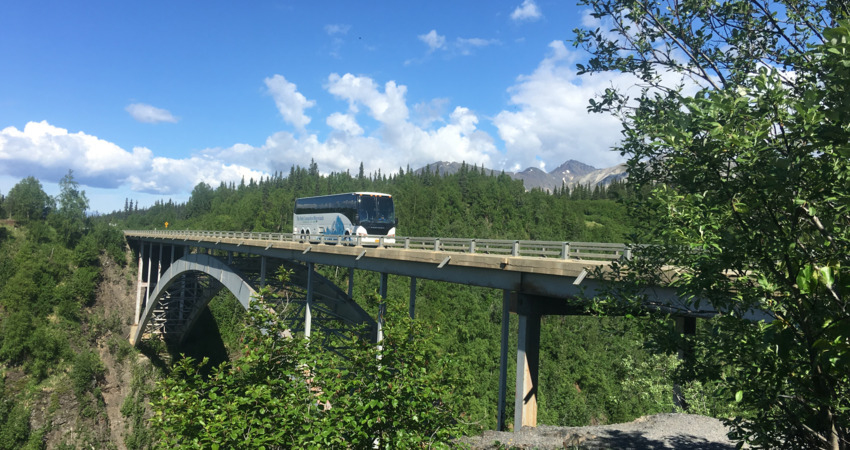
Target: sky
x=144, y=100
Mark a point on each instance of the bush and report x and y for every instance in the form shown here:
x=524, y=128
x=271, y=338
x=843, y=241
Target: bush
x=15, y=330
x=288, y=392
x=86, y=371
x=47, y=346
x=14, y=421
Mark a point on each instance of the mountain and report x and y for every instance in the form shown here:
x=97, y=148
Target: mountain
x=571, y=173
x=572, y=169
x=532, y=177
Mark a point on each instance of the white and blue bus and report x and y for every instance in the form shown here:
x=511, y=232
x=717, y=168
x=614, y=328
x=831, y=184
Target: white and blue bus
x=353, y=214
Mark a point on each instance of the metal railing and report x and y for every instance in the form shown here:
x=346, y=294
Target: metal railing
x=525, y=248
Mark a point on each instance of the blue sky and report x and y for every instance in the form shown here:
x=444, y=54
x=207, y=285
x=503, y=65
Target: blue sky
x=144, y=100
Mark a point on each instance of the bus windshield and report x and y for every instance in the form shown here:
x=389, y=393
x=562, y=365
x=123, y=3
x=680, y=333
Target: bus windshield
x=376, y=209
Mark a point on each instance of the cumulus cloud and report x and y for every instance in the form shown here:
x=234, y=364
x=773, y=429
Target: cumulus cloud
x=427, y=113
x=149, y=114
x=392, y=139
x=526, y=12
x=345, y=123
x=433, y=40
x=289, y=101
x=178, y=176
x=551, y=122
x=47, y=152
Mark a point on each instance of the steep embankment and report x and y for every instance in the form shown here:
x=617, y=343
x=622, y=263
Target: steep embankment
x=108, y=416
x=115, y=297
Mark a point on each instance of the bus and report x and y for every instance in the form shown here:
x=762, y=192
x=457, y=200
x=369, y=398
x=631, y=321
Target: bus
x=361, y=214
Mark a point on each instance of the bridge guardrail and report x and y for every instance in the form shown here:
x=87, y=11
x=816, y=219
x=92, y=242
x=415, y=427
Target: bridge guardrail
x=526, y=248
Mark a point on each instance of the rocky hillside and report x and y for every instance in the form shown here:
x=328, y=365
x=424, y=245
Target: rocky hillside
x=571, y=173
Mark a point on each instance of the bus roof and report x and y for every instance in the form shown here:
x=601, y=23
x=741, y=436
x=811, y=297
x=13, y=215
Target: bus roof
x=374, y=194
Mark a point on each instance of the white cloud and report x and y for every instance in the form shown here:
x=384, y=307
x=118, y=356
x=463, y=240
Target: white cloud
x=551, y=123
x=433, y=40
x=149, y=114
x=427, y=113
x=345, y=123
x=48, y=152
x=177, y=176
x=527, y=11
x=386, y=107
x=392, y=142
x=289, y=101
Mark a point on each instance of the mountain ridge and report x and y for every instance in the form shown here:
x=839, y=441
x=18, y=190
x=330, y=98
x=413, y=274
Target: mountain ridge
x=571, y=173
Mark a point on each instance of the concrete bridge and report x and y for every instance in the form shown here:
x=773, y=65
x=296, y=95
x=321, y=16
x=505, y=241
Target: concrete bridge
x=178, y=276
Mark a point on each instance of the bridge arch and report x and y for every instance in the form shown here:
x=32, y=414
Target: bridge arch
x=188, y=285
x=182, y=292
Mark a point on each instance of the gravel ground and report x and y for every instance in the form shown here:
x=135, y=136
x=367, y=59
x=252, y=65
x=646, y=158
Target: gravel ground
x=660, y=431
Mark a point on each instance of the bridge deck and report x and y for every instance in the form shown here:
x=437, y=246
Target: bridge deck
x=554, y=270
x=495, y=264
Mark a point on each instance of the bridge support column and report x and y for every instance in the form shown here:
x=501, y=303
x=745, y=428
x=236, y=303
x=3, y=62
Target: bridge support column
x=503, y=358
x=527, y=365
x=382, y=308
x=308, y=314
x=148, y=284
x=139, y=284
x=262, y=271
x=159, y=263
x=351, y=282
x=412, y=307
x=182, y=297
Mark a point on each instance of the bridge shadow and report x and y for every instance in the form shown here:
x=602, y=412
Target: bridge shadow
x=637, y=440
x=203, y=341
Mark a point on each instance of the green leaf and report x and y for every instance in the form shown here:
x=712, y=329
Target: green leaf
x=827, y=277
x=805, y=279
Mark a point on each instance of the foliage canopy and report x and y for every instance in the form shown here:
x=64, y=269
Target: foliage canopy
x=742, y=170
x=285, y=392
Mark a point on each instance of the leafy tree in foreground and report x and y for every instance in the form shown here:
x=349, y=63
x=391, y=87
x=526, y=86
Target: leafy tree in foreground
x=744, y=185
x=288, y=392
x=70, y=218
x=27, y=200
